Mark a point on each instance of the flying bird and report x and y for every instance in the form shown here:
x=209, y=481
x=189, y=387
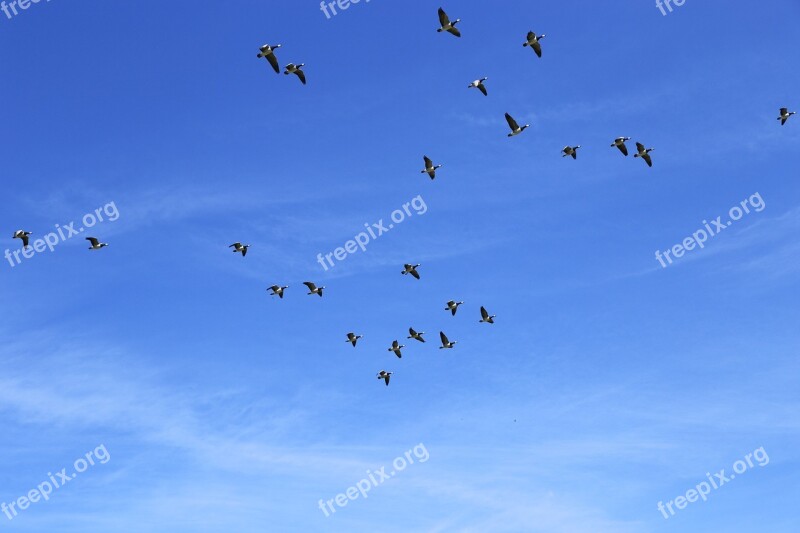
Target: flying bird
x=619, y=142
x=429, y=169
x=448, y=26
x=644, y=153
x=291, y=68
x=239, y=247
x=268, y=52
x=313, y=288
x=277, y=290
x=485, y=317
x=23, y=236
x=384, y=375
x=452, y=306
x=352, y=338
x=785, y=114
x=570, y=150
x=411, y=269
x=414, y=335
x=515, y=128
x=95, y=244
x=445, y=341
x=396, y=349
x=478, y=84
x=533, y=42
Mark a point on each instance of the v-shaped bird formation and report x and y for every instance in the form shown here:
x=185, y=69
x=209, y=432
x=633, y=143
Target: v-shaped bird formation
x=446, y=25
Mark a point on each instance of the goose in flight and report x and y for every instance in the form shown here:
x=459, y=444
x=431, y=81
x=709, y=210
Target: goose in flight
x=533, y=42
x=411, y=269
x=429, y=169
x=570, y=150
x=452, y=306
x=515, y=128
x=448, y=26
x=485, y=317
x=445, y=341
x=414, y=335
x=23, y=236
x=291, y=68
x=352, y=338
x=395, y=347
x=785, y=114
x=313, y=288
x=277, y=290
x=95, y=244
x=478, y=84
x=239, y=247
x=384, y=375
x=644, y=153
x=619, y=142
x=268, y=52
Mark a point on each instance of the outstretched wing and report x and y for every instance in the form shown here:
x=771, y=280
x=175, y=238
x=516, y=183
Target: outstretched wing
x=310, y=285
x=415, y=273
x=274, y=62
x=444, y=20
x=511, y=122
x=301, y=75
x=93, y=240
x=640, y=147
x=482, y=89
x=454, y=31
x=648, y=160
x=537, y=48
x=623, y=148
x=444, y=338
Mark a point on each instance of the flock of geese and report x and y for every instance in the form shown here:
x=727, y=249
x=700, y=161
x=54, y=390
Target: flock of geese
x=446, y=25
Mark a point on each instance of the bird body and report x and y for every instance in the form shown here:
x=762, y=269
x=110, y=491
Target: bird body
x=785, y=114
x=268, y=52
x=277, y=290
x=415, y=335
x=446, y=343
x=410, y=269
x=240, y=248
x=429, y=169
x=291, y=68
x=486, y=317
x=95, y=244
x=619, y=142
x=533, y=42
x=384, y=375
x=452, y=306
x=478, y=84
x=23, y=236
x=395, y=347
x=446, y=25
x=570, y=151
x=515, y=128
x=644, y=153
x=313, y=289
x=353, y=338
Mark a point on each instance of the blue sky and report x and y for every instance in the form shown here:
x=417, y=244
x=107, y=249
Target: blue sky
x=607, y=384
